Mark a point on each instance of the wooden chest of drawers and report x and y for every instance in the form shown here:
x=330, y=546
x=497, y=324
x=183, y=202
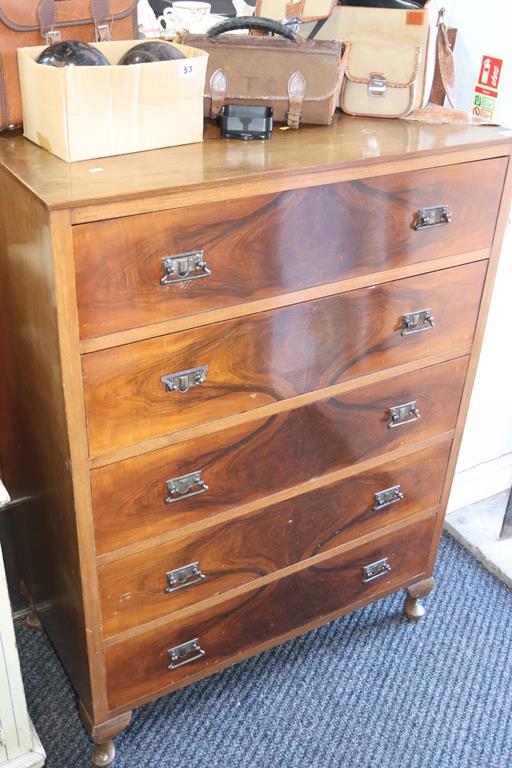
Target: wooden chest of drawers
x=238, y=381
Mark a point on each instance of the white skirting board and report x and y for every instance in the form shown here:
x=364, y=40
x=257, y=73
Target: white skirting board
x=19, y=745
x=481, y=482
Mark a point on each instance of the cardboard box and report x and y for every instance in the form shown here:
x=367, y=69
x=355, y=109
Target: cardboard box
x=79, y=113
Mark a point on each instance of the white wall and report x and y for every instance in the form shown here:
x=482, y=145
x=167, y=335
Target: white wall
x=485, y=462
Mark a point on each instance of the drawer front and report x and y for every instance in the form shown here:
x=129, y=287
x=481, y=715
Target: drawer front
x=273, y=244
x=139, y=667
x=267, y=455
x=151, y=584
x=271, y=356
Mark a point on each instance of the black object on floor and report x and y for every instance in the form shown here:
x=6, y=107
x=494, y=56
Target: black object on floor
x=370, y=689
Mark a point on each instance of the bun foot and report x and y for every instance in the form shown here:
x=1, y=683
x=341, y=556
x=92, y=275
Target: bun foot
x=103, y=754
x=414, y=609
x=33, y=621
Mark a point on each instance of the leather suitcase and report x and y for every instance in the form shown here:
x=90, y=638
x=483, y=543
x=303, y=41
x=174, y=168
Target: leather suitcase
x=23, y=24
x=300, y=79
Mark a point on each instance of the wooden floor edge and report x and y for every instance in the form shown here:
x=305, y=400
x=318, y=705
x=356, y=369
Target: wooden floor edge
x=266, y=411
x=280, y=301
x=236, y=512
x=269, y=578
x=259, y=648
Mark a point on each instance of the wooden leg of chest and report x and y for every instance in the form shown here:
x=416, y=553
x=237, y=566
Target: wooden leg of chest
x=413, y=607
x=103, y=735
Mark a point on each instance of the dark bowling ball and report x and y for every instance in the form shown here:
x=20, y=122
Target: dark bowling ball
x=72, y=53
x=151, y=50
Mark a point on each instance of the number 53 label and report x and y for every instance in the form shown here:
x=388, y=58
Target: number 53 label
x=187, y=68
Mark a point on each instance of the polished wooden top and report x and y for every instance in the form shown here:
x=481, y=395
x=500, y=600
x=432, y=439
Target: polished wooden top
x=348, y=142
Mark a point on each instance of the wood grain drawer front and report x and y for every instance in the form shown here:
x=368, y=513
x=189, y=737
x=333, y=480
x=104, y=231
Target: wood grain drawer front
x=154, y=583
x=271, y=356
x=273, y=244
x=231, y=630
x=268, y=455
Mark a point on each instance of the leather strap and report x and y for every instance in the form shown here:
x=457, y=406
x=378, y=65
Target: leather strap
x=433, y=113
x=46, y=16
x=257, y=23
x=296, y=93
x=100, y=10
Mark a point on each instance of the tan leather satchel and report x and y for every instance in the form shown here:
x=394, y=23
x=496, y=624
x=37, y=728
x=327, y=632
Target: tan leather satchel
x=300, y=79
x=305, y=10
x=27, y=23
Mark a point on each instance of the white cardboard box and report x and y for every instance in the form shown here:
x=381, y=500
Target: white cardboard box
x=79, y=113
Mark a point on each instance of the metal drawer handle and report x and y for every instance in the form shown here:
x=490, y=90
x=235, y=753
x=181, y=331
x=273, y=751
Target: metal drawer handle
x=184, y=266
x=182, y=381
x=434, y=216
x=180, y=654
x=376, y=570
x=387, y=497
x=184, y=577
x=406, y=413
x=185, y=487
x=416, y=322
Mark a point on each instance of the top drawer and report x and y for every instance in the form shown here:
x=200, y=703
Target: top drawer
x=272, y=244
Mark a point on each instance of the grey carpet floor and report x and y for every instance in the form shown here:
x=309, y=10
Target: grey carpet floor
x=369, y=690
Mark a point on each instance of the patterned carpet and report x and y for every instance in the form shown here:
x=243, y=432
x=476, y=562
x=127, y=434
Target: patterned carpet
x=369, y=690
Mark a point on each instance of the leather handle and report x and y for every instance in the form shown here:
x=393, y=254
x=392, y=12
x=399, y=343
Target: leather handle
x=253, y=22
x=47, y=14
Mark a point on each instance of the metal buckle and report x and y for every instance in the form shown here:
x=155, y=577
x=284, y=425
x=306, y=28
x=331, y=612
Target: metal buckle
x=53, y=36
x=378, y=85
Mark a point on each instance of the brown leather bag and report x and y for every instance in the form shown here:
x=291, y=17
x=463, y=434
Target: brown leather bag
x=300, y=79
x=26, y=23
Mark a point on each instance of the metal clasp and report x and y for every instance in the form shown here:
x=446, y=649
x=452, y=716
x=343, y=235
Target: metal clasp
x=184, y=577
x=416, y=322
x=180, y=654
x=405, y=413
x=376, y=570
x=53, y=36
x=378, y=85
x=184, y=266
x=434, y=216
x=182, y=381
x=179, y=488
x=387, y=497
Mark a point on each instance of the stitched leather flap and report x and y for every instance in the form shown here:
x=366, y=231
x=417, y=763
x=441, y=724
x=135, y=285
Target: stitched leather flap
x=398, y=64
x=305, y=10
x=22, y=16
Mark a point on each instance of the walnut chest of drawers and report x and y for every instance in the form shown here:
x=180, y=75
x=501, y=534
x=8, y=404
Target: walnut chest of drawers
x=238, y=377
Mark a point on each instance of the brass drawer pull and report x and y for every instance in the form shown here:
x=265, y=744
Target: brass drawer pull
x=180, y=654
x=387, y=497
x=184, y=487
x=434, y=216
x=184, y=266
x=182, y=381
x=406, y=413
x=416, y=322
x=376, y=570
x=184, y=577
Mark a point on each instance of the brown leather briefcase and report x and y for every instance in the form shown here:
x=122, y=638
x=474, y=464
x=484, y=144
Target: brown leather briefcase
x=300, y=79
x=28, y=23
